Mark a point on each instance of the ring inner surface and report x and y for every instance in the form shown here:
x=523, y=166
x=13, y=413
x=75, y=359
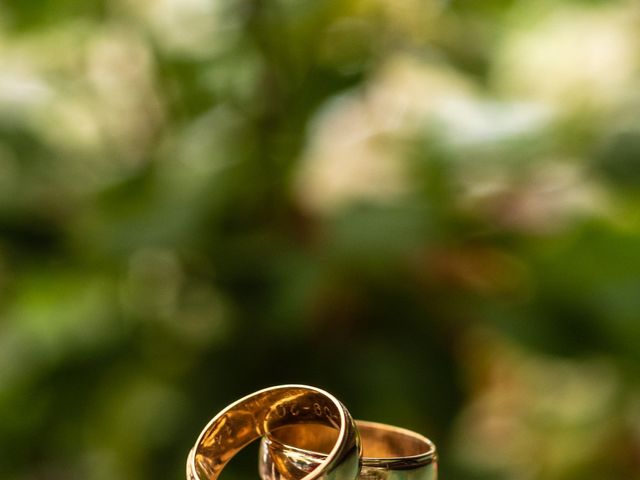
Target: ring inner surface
x=378, y=440
x=254, y=416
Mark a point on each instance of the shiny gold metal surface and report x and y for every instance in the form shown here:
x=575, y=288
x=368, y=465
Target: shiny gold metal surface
x=389, y=453
x=265, y=412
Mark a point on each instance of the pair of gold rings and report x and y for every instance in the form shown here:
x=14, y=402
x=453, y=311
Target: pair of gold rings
x=307, y=434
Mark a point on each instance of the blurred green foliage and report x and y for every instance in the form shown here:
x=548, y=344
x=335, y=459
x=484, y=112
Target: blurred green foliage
x=429, y=208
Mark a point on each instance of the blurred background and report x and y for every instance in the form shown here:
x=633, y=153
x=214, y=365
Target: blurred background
x=429, y=208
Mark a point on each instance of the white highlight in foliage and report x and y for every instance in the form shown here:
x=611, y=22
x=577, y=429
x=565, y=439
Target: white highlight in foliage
x=571, y=56
x=197, y=28
x=20, y=88
x=347, y=158
x=356, y=144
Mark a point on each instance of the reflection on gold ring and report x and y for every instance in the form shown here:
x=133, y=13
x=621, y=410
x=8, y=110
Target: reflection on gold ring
x=389, y=453
x=268, y=410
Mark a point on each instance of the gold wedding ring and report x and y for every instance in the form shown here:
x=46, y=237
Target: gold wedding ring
x=268, y=410
x=389, y=453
